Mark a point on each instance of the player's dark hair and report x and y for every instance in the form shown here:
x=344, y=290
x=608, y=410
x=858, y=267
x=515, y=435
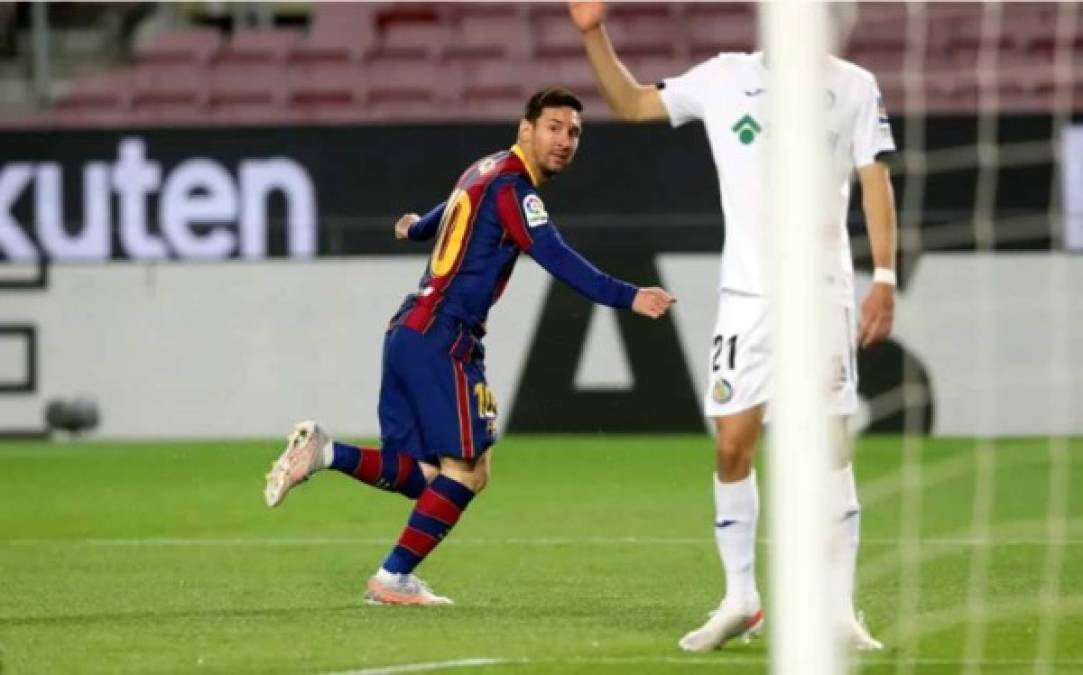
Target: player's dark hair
x=553, y=97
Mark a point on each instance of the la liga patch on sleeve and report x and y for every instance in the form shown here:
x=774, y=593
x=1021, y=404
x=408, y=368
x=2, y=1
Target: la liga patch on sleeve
x=534, y=210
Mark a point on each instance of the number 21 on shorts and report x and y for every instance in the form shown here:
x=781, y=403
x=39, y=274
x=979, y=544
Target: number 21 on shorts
x=724, y=347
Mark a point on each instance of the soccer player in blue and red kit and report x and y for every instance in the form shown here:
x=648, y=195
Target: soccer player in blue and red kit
x=437, y=416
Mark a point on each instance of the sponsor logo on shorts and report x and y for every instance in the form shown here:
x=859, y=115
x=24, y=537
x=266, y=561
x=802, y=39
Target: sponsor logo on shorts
x=722, y=392
x=839, y=376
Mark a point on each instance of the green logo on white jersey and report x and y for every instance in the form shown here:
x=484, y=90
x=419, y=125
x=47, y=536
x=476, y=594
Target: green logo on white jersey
x=747, y=129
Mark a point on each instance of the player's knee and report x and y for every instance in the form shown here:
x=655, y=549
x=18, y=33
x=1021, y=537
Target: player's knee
x=734, y=458
x=472, y=474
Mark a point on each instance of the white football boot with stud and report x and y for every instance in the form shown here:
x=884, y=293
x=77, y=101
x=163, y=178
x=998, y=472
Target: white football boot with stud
x=388, y=588
x=301, y=458
x=727, y=622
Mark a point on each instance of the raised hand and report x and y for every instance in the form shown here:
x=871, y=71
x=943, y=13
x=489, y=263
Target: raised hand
x=652, y=302
x=586, y=15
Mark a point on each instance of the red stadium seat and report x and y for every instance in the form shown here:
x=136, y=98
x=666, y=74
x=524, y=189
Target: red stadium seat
x=256, y=45
x=244, y=114
x=490, y=31
x=638, y=29
x=248, y=84
x=409, y=80
x=327, y=85
x=554, y=33
x=181, y=46
x=412, y=32
x=713, y=28
x=109, y=90
x=495, y=79
x=340, y=31
x=168, y=113
x=170, y=84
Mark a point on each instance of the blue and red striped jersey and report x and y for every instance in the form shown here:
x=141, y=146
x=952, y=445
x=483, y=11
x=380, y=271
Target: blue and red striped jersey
x=494, y=214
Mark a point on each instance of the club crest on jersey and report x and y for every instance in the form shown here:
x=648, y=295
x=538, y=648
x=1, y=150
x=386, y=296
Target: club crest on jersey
x=722, y=391
x=534, y=210
x=747, y=128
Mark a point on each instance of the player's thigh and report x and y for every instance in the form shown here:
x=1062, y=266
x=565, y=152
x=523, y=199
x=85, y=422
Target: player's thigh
x=456, y=409
x=400, y=423
x=738, y=367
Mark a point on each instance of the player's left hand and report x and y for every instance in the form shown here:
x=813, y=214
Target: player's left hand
x=877, y=315
x=402, y=226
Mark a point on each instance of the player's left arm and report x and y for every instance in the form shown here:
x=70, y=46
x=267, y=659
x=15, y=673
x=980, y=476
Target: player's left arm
x=419, y=228
x=878, y=203
x=524, y=218
x=872, y=138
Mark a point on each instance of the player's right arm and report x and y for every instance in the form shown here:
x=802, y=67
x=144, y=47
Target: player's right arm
x=629, y=99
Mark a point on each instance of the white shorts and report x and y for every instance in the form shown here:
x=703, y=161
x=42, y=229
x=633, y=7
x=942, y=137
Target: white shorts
x=739, y=363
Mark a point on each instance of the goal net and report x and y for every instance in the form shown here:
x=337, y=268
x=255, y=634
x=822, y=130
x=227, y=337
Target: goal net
x=972, y=410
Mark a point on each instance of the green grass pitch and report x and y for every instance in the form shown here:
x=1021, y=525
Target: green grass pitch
x=587, y=554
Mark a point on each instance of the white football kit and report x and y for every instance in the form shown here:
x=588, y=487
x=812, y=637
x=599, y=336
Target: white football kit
x=728, y=94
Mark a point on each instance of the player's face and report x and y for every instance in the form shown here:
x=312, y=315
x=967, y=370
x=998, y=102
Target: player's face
x=554, y=138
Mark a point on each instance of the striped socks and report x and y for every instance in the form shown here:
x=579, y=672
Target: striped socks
x=437, y=510
x=382, y=468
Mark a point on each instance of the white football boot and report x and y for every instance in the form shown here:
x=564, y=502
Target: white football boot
x=388, y=588
x=724, y=624
x=298, y=461
x=857, y=635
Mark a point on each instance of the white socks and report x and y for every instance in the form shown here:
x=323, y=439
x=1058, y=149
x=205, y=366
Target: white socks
x=327, y=454
x=737, y=509
x=846, y=533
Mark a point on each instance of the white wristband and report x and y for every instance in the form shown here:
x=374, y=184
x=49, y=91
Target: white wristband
x=882, y=275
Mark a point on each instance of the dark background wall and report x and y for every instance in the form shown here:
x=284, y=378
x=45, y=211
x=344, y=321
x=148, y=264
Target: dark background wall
x=643, y=188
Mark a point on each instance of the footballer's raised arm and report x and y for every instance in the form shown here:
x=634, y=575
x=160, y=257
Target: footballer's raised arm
x=629, y=99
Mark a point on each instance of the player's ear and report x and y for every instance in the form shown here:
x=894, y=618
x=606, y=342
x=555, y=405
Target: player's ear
x=524, y=130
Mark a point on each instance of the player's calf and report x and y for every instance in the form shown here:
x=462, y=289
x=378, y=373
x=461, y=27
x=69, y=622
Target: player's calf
x=438, y=509
x=383, y=468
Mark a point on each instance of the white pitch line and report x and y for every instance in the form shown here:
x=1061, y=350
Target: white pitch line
x=538, y=541
x=713, y=662
x=423, y=667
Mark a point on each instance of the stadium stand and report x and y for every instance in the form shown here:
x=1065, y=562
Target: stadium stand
x=417, y=62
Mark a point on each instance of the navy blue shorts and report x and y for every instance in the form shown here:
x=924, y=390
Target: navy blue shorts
x=434, y=401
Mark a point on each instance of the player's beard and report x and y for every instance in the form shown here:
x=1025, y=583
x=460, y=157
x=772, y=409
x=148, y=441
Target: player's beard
x=555, y=167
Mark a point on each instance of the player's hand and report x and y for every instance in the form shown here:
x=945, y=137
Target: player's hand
x=877, y=314
x=652, y=302
x=587, y=15
x=402, y=227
